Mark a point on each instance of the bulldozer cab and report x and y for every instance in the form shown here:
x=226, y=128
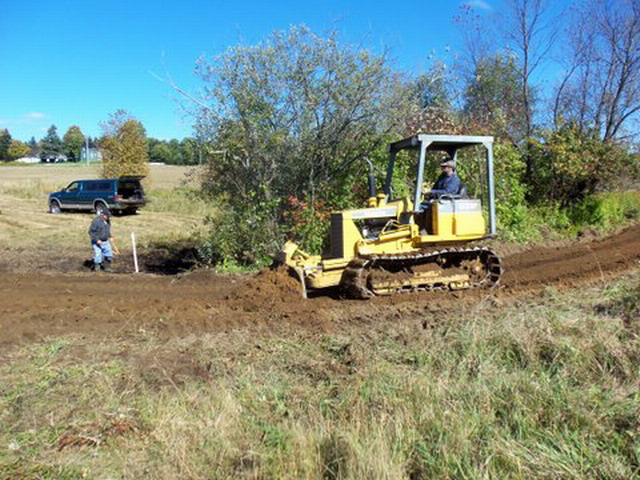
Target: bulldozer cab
x=423, y=213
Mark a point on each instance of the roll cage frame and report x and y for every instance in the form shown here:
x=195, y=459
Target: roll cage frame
x=450, y=144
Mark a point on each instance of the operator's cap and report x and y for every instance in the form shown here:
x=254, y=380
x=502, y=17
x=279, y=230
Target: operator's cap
x=448, y=163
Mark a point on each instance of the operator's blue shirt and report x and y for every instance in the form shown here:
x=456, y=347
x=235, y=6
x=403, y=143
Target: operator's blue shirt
x=446, y=184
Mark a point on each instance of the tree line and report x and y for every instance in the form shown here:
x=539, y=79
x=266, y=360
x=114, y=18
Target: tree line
x=50, y=146
x=187, y=151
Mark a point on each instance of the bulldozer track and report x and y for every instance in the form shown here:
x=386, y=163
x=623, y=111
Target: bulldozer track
x=357, y=284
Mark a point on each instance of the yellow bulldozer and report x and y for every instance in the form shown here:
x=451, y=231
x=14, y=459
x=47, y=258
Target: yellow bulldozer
x=420, y=242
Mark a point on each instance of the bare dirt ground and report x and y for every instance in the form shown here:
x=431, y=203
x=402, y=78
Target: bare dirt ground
x=35, y=306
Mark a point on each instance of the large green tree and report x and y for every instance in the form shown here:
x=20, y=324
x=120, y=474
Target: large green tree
x=33, y=146
x=190, y=149
x=290, y=120
x=17, y=149
x=124, y=146
x=51, y=145
x=493, y=99
x=160, y=152
x=5, y=143
x=73, y=143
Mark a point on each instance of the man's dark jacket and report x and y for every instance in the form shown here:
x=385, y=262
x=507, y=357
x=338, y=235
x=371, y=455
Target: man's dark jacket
x=100, y=229
x=446, y=184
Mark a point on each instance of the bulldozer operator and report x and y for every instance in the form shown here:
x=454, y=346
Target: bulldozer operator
x=448, y=182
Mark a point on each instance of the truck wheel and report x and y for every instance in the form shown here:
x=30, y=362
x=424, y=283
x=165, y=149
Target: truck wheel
x=101, y=207
x=54, y=207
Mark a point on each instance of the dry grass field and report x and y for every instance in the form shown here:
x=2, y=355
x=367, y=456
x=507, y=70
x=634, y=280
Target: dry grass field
x=32, y=239
x=59, y=175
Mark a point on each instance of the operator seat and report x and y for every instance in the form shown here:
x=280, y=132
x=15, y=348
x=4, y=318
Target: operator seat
x=426, y=215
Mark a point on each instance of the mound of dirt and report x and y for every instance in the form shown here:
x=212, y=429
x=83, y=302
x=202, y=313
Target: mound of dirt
x=270, y=285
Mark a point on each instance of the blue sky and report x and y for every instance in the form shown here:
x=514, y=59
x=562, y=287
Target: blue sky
x=72, y=63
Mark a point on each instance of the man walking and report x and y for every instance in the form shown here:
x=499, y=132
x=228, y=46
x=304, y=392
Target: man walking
x=102, y=242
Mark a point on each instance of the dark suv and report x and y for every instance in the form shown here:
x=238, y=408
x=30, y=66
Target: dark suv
x=124, y=194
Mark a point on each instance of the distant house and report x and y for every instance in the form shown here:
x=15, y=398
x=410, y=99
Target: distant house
x=28, y=160
x=94, y=155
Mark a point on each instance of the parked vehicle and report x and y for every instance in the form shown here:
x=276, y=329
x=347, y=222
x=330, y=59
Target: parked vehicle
x=124, y=194
x=59, y=158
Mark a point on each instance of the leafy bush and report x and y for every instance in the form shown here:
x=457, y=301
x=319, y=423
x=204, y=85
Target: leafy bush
x=580, y=165
x=512, y=210
x=240, y=238
x=124, y=147
x=606, y=210
x=292, y=117
x=571, y=165
x=511, y=206
x=308, y=223
x=551, y=220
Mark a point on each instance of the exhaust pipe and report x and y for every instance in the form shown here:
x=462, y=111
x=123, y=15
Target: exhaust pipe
x=372, y=179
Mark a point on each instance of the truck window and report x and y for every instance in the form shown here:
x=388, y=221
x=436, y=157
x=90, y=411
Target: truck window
x=73, y=187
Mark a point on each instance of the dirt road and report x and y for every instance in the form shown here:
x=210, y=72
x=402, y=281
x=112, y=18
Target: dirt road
x=38, y=305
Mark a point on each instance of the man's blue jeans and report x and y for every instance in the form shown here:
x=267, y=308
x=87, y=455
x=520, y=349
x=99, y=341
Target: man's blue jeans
x=101, y=252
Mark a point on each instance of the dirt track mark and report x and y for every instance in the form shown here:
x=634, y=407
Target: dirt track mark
x=577, y=263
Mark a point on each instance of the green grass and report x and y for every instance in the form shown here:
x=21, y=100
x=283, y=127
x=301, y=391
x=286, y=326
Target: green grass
x=29, y=190
x=542, y=388
x=603, y=212
x=607, y=210
x=180, y=200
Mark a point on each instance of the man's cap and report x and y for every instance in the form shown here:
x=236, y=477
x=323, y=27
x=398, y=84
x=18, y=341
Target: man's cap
x=448, y=163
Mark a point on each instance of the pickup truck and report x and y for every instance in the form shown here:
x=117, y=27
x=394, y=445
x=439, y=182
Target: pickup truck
x=120, y=195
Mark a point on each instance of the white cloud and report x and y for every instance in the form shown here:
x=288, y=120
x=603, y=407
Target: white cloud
x=34, y=115
x=479, y=4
